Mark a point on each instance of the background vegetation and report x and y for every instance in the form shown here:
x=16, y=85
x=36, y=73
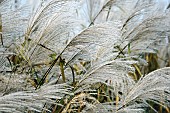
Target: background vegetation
x=89, y=56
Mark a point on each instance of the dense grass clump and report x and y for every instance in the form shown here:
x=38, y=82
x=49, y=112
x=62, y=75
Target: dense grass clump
x=72, y=56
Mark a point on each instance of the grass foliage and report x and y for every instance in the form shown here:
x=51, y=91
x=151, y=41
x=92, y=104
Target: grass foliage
x=86, y=56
